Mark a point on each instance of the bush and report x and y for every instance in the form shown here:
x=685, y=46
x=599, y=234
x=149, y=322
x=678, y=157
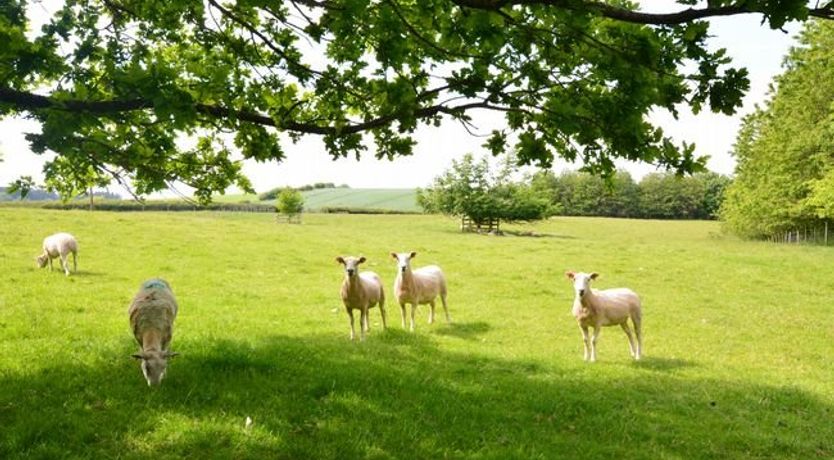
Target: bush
x=469, y=188
x=290, y=202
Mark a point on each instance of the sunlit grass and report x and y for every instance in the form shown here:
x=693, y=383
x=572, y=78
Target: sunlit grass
x=738, y=339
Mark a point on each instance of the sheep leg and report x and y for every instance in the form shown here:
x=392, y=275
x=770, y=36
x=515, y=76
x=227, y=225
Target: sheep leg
x=382, y=310
x=594, y=343
x=627, y=331
x=65, y=264
x=431, y=312
x=413, y=312
x=402, y=312
x=74, y=262
x=352, y=329
x=50, y=261
x=585, y=341
x=637, y=320
x=363, y=323
x=445, y=307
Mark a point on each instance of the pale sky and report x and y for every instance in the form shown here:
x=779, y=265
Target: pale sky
x=749, y=43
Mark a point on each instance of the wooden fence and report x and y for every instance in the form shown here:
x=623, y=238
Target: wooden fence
x=288, y=218
x=487, y=226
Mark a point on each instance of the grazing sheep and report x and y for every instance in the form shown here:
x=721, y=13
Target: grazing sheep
x=59, y=245
x=152, y=315
x=361, y=291
x=593, y=308
x=421, y=286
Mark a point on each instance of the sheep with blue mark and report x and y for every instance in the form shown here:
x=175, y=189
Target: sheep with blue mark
x=152, y=313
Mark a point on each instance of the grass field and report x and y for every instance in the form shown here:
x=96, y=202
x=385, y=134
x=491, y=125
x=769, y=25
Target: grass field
x=389, y=199
x=370, y=198
x=738, y=343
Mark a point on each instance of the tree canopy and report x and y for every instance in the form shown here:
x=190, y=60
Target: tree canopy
x=474, y=189
x=289, y=202
x=656, y=196
x=785, y=150
x=117, y=84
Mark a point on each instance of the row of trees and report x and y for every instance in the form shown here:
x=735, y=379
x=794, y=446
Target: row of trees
x=785, y=150
x=657, y=196
x=473, y=189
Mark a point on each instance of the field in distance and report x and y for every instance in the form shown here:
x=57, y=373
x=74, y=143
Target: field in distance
x=737, y=364
x=388, y=199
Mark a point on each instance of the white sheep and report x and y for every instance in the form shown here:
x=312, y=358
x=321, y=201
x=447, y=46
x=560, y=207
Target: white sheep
x=59, y=245
x=594, y=308
x=152, y=313
x=361, y=291
x=418, y=287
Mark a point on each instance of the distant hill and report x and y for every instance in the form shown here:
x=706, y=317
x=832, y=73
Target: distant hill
x=389, y=199
x=386, y=199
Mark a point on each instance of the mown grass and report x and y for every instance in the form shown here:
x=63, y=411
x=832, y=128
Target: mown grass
x=737, y=364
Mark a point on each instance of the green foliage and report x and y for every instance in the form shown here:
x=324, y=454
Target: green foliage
x=783, y=150
x=70, y=179
x=22, y=186
x=262, y=334
x=471, y=188
x=666, y=196
x=127, y=79
x=657, y=196
x=290, y=202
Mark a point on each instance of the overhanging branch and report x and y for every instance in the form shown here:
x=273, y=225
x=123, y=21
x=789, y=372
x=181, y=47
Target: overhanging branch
x=637, y=17
x=22, y=100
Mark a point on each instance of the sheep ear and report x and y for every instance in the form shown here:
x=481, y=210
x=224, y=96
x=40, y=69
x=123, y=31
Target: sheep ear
x=171, y=354
x=394, y=255
x=413, y=254
x=137, y=356
x=340, y=260
x=362, y=259
x=570, y=275
x=594, y=275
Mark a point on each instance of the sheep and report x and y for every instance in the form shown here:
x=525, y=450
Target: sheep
x=59, y=245
x=418, y=287
x=152, y=313
x=594, y=308
x=361, y=291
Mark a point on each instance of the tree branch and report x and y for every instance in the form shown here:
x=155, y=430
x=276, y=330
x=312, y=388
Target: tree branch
x=22, y=100
x=636, y=17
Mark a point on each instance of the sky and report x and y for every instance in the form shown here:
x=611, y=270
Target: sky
x=749, y=43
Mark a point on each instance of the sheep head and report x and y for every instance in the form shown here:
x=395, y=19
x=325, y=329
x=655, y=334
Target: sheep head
x=351, y=264
x=581, y=282
x=154, y=364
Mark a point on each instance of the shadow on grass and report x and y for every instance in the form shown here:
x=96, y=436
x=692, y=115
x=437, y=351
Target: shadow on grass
x=532, y=234
x=656, y=363
x=468, y=331
x=398, y=396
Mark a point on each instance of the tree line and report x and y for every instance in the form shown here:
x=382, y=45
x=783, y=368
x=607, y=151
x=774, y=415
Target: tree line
x=784, y=187
x=474, y=189
x=656, y=196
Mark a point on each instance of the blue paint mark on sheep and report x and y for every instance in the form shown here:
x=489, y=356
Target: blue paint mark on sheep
x=156, y=283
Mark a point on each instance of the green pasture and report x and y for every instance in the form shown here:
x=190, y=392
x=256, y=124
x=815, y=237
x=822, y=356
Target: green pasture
x=738, y=342
x=388, y=199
